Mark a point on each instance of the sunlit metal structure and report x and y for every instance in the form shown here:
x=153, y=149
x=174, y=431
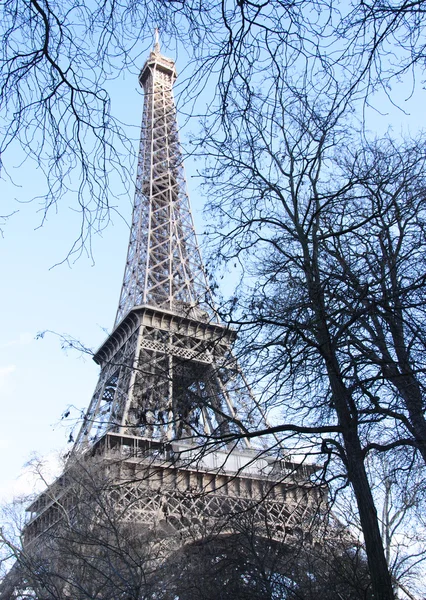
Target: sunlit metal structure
x=163, y=267
x=171, y=408
x=167, y=370
x=170, y=392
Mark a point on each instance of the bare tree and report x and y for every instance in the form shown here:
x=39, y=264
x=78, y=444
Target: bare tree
x=57, y=64
x=348, y=363
x=248, y=564
x=400, y=498
x=378, y=277
x=87, y=551
x=300, y=210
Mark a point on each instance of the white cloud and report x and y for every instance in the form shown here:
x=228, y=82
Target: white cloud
x=32, y=478
x=4, y=374
x=23, y=339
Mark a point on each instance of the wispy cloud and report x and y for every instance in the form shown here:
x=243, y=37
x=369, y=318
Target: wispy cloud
x=32, y=478
x=23, y=339
x=4, y=374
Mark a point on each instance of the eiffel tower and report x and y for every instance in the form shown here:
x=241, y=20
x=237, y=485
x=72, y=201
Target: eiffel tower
x=171, y=409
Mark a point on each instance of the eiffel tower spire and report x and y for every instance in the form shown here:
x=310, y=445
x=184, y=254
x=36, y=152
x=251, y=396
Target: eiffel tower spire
x=167, y=371
x=163, y=267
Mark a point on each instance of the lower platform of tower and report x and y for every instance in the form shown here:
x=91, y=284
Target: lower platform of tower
x=130, y=514
x=169, y=487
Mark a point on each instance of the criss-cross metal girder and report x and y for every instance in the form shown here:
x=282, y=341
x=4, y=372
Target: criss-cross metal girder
x=167, y=370
x=163, y=267
x=164, y=431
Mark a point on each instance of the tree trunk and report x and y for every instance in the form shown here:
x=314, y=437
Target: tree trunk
x=348, y=421
x=379, y=572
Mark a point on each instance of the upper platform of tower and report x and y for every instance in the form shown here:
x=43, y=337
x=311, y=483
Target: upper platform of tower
x=159, y=61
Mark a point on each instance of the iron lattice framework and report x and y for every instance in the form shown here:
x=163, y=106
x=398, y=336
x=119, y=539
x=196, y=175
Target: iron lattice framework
x=162, y=426
x=163, y=267
x=177, y=491
x=167, y=369
x=165, y=376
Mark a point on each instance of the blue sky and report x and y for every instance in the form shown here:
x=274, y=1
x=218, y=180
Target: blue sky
x=38, y=380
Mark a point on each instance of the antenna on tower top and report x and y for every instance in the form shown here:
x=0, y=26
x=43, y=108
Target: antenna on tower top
x=156, y=40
